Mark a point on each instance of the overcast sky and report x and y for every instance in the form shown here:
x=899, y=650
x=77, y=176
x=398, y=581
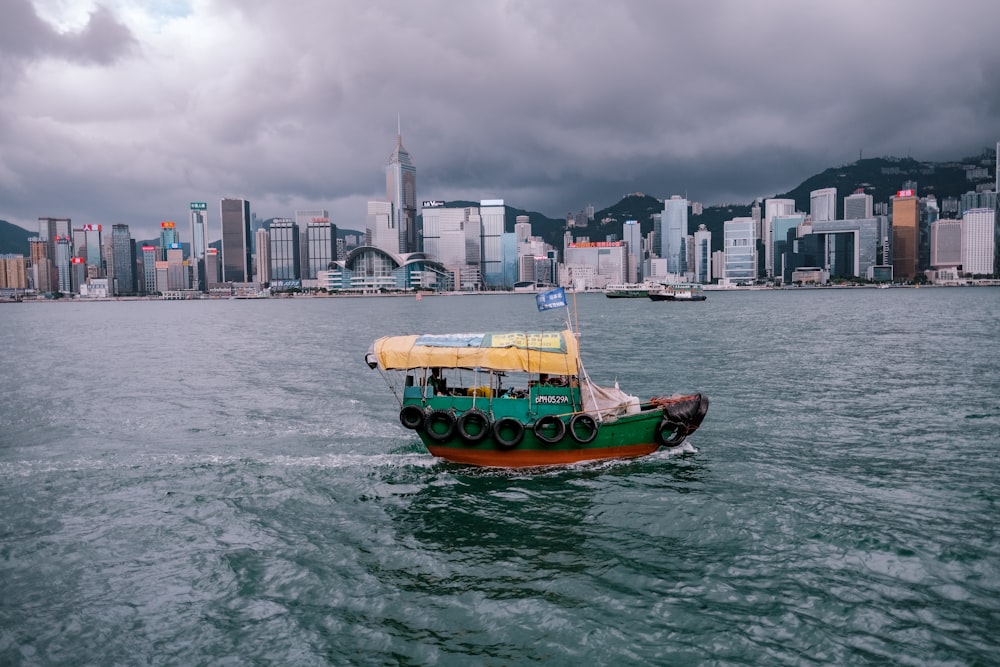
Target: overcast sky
x=127, y=110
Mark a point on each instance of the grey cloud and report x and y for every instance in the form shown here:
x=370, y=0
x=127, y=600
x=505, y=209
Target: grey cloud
x=24, y=35
x=550, y=105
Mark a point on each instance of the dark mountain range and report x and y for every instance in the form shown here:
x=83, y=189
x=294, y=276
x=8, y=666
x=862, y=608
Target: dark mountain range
x=13, y=239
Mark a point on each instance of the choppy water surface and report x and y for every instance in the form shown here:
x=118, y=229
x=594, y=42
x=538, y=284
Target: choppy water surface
x=227, y=483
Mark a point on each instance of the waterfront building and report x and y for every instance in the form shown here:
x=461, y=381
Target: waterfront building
x=702, y=255
x=199, y=242
x=850, y=248
x=632, y=235
x=262, y=258
x=772, y=209
x=401, y=191
x=122, y=267
x=284, y=250
x=946, y=244
x=449, y=233
x=675, y=222
x=236, y=243
x=40, y=264
x=905, y=234
x=321, y=246
x=979, y=241
x=303, y=219
x=50, y=228
x=858, y=205
x=822, y=206
x=522, y=228
x=380, y=230
x=929, y=212
x=740, y=246
x=168, y=237
x=594, y=265
x=87, y=244
x=64, y=269
x=149, y=255
x=492, y=215
x=758, y=219
x=213, y=267
x=781, y=225
x=177, y=270
x=719, y=265
x=13, y=272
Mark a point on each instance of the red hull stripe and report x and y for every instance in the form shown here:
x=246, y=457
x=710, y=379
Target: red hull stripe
x=526, y=458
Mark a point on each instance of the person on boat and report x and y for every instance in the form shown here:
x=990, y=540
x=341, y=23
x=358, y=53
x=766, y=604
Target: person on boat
x=436, y=382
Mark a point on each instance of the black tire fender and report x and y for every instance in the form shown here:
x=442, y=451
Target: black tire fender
x=411, y=416
x=542, y=424
x=678, y=432
x=446, y=417
x=589, y=425
x=508, y=424
x=474, y=415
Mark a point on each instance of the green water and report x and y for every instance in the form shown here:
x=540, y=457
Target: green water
x=226, y=483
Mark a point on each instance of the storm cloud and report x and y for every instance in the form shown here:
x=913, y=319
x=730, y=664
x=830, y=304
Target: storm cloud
x=127, y=111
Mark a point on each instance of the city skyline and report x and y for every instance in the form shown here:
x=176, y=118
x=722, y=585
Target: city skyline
x=127, y=111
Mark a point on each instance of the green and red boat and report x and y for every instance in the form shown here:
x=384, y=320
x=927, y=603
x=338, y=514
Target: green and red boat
x=522, y=399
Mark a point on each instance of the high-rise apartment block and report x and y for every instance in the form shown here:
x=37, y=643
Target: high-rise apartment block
x=978, y=241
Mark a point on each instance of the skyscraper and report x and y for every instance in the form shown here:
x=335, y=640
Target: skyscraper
x=675, y=218
x=149, y=256
x=199, y=241
x=401, y=191
x=303, y=219
x=492, y=213
x=978, y=239
x=905, y=234
x=741, y=251
x=379, y=227
x=122, y=264
x=168, y=237
x=772, y=209
x=823, y=204
x=321, y=247
x=236, y=264
x=284, y=250
x=632, y=235
x=702, y=255
x=858, y=205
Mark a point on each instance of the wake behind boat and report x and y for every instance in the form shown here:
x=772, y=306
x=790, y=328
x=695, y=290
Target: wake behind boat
x=520, y=399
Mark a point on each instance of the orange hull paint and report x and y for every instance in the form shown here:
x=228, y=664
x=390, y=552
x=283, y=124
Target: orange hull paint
x=528, y=458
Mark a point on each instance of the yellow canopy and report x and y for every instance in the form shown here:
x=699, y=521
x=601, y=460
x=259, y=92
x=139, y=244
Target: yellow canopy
x=551, y=352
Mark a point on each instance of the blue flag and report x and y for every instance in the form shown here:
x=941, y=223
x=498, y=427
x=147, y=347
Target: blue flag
x=555, y=298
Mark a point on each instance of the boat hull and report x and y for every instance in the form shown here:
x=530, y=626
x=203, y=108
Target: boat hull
x=626, y=436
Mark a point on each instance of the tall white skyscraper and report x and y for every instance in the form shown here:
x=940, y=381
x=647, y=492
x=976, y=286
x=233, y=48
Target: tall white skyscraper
x=741, y=251
x=823, y=204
